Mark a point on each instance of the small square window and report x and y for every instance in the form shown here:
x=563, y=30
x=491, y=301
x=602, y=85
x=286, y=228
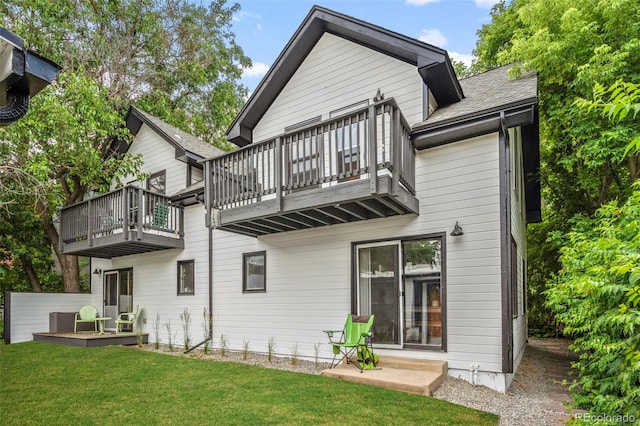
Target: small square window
x=186, y=281
x=254, y=274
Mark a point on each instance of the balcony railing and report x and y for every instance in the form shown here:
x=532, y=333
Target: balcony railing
x=361, y=144
x=127, y=214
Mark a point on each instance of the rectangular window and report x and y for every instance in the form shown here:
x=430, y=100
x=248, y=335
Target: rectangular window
x=254, y=273
x=514, y=277
x=186, y=277
x=524, y=288
x=157, y=182
x=302, y=152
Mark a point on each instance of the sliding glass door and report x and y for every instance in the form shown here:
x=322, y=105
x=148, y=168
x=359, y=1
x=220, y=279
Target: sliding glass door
x=408, y=301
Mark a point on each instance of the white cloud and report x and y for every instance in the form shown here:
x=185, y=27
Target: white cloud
x=242, y=15
x=462, y=57
x=434, y=37
x=486, y=4
x=420, y=2
x=258, y=69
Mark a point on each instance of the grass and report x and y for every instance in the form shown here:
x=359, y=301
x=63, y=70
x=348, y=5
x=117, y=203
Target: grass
x=49, y=384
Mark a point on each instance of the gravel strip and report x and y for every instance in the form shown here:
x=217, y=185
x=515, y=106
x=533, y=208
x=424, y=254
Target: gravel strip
x=536, y=396
x=278, y=362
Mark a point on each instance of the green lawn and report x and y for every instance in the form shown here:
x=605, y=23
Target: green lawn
x=50, y=384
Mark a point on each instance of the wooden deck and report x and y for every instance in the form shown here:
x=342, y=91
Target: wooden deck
x=90, y=339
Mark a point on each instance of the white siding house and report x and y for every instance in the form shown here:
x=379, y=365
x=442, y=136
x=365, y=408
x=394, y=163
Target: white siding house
x=368, y=180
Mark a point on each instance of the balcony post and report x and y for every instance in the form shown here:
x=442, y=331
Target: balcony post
x=180, y=210
x=208, y=192
x=125, y=211
x=373, y=153
x=278, y=174
x=62, y=232
x=90, y=218
x=396, y=156
x=140, y=218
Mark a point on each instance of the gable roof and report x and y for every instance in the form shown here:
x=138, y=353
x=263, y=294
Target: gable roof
x=433, y=63
x=189, y=148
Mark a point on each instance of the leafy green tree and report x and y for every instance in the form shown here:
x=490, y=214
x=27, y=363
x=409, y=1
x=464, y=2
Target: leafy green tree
x=571, y=44
x=54, y=155
x=597, y=298
x=173, y=58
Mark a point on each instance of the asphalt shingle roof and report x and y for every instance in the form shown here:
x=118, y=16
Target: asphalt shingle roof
x=486, y=92
x=181, y=138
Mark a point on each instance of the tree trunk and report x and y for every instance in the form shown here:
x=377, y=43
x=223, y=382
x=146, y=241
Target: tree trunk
x=32, y=276
x=634, y=168
x=68, y=264
x=70, y=272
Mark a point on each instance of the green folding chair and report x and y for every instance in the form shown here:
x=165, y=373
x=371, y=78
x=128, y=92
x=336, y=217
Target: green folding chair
x=355, y=339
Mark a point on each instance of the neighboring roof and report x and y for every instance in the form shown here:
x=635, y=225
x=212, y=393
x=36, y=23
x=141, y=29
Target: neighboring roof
x=433, y=64
x=189, y=191
x=188, y=147
x=487, y=95
x=192, y=194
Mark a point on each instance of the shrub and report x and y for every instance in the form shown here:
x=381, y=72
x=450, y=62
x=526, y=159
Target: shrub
x=597, y=297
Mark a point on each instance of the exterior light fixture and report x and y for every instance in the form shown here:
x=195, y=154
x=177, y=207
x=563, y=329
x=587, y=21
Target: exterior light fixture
x=457, y=231
x=97, y=271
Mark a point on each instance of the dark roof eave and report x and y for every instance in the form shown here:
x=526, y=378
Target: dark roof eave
x=433, y=62
x=458, y=128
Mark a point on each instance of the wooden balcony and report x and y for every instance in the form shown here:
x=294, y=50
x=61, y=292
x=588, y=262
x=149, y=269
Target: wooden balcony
x=357, y=166
x=126, y=221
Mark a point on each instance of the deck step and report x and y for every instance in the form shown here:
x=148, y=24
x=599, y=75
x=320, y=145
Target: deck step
x=414, y=364
x=421, y=377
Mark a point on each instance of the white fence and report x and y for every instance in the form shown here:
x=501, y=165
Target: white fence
x=28, y=313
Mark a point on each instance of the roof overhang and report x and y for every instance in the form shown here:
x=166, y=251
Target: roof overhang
x=476, y=124
x=523, y=114
x=433, y=64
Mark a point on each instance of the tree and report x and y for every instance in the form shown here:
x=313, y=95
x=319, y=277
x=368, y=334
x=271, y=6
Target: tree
x=597, y=298
x=55, y=154
x=571, y=44
x=175, y=59
x=598, y=290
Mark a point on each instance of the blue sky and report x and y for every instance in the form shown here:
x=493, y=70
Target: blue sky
x=263, y=27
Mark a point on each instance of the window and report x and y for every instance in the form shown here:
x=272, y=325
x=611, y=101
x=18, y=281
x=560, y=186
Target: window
x=302, y=152
x=157, y=182
x=514, y=277
x=254, y=274
x=524, y=288
x=186, y=280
